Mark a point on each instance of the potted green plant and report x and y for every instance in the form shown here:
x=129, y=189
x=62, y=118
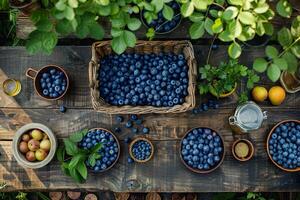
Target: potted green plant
x=222, y=81
x=25, y=6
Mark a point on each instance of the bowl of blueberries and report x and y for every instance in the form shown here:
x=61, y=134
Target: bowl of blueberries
x=110, y=151
x=202, y=150
x=51, y=82
x=141, y=150
x=283, y=145
x=161, y=25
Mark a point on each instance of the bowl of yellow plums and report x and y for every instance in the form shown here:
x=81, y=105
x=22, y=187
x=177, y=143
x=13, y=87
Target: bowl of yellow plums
x=34, y=145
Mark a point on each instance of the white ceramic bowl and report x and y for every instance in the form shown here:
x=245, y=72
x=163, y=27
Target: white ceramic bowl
x=21, y=158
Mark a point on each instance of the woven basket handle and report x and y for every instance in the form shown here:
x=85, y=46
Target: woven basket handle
x=91, y=73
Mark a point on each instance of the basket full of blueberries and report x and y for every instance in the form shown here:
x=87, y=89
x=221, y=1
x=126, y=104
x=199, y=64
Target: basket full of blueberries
x=202, y=150
x=109, y=152
x=145, y=82
x=283, y=145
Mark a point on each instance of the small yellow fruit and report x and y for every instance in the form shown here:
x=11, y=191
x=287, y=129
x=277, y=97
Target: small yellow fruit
x=259, y=94
x=40, y=154
x=276, y=95
x=45, y=144
x=241, y=149
x=36, y=134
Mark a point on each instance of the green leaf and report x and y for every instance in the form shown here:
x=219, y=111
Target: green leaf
x=230, y=13
x=261, y=8
x=268, y=28
x=295, y=28
x=76, y=175
x=234, y=50
x=281, y=63
x=187, y=9
x=60, y=5
x=49, y=41
x=60, y=154
x=105, y=10
x=214, y=13
x=44, y=25
x=168, y=12
x=208, y=24
x=273, y=72
x=134, y=24
x=71, y=147
x=96, y=148
x=118, y=23
x=92, y=159
x=77, y=137
x=115, y=32
x=129, y=38
x=291, y=60
x=104, y=2
x=118, y=44
x=285, y=37
x=64, y=27
x=248, y=33
x=235, y=28
x=158, y=5
x=73, y=3
x=217, y=27
x=82, y=31
x=296, y=50
x=284, y=8
x=38, y=15
x=69, y=13
x=247, y=18
x=150, y=33
x=235, y=2
x=81, y=168
x=260, y=65
x=75, y=160
x=197, y=17
x=196, y=30
x=200, y=5
x=271, y=52
x=226, y=36
x=96, y=31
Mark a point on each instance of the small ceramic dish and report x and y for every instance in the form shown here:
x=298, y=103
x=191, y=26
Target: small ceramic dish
x=137, y=140
x=242, y=150
x=36, y=75
x=21, y=158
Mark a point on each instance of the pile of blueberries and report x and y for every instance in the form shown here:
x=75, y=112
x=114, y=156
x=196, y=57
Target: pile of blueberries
x=162, y=25
x=53, y=83
x=284, y=145
x=144, y=79
x=202, y=149
x=141, y=150
x=206, y=106
x=109, y=151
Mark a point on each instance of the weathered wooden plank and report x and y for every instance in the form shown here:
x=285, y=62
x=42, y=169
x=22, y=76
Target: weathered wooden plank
x=162, y=127
x=164, y=173
x=75, y=61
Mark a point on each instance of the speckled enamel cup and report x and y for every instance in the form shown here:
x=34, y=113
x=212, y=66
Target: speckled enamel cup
x=21, y=158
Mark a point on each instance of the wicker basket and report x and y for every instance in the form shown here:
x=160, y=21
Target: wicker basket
x=101, y=49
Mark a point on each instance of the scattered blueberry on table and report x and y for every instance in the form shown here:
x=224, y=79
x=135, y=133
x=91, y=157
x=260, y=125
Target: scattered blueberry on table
x=130, y=160
x=119, y=119
x=211, y=104
x=144, y=79
x=145, y=130
x=108, y=152
x=127, y=140
x=53, y=83
x=62, y=109
x=202, y=149
x=162, y=25
x=284, y=145
x=141, y=150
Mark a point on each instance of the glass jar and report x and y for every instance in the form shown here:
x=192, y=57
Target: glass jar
x=247, y=117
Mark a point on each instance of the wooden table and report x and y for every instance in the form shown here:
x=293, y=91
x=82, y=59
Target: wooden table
x=164, y=173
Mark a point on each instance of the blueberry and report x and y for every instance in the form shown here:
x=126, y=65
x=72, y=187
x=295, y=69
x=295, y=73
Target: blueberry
x=45, y=92
x=130, y=160
x=119, y=119
x=127, y=140
x=118, y=129
x=134, y=130
x=133, y=117
x=62, y=109
x=145, y=130
x=128, y=124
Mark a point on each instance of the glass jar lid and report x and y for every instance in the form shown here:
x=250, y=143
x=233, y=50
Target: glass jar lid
x=249, y=116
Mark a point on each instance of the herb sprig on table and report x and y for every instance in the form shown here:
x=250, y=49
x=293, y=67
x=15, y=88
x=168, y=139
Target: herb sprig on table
x=72, y=158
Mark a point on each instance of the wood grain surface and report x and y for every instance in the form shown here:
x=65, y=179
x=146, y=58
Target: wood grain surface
x=165, y=172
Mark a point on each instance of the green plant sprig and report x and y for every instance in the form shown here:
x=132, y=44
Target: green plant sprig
x=287, y=59
x=72, y=158
x=222, y=79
